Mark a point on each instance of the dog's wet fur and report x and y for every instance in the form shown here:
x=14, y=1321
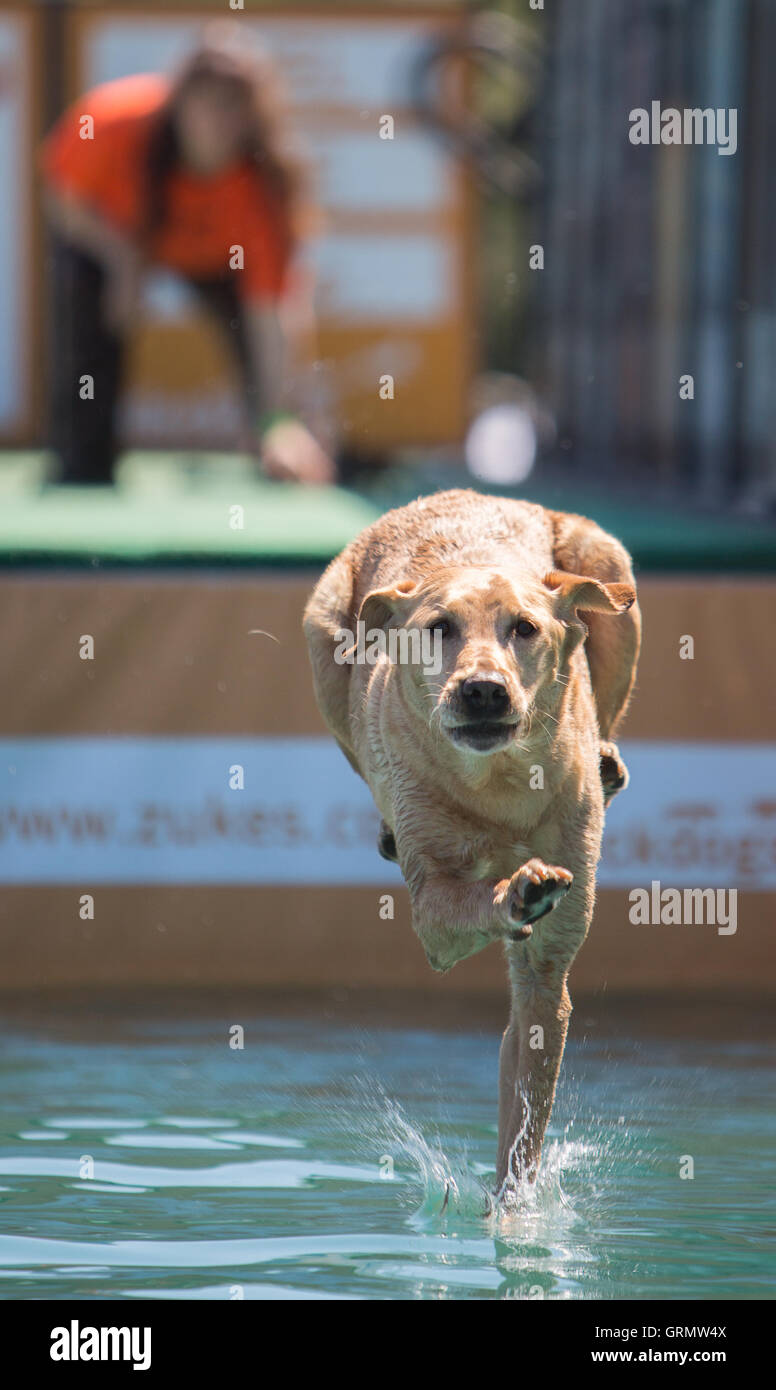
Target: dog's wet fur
x=492, y=774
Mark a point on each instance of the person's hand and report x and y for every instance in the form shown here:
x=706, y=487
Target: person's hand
x=289, y=452
x=122, y=291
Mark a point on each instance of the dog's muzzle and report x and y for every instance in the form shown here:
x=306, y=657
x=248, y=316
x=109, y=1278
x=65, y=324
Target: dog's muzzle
x=484, y=698
x=485, y=720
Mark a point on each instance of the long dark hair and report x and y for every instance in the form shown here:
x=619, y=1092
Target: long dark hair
x=269, y=145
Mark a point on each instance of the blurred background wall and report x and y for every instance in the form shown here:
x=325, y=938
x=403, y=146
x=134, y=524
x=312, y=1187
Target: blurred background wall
x=663, y=259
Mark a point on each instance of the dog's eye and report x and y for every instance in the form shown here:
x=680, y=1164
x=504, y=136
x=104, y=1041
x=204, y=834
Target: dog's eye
x=522, y=628
x=441, y=625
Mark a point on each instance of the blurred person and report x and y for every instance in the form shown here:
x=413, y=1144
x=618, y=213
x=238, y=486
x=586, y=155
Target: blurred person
x=179, y=170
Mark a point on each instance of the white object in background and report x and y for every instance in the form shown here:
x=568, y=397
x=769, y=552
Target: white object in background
x=501, y=444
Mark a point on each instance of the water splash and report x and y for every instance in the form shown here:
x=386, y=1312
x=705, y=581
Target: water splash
x=435, y=1185
x=453, y=1191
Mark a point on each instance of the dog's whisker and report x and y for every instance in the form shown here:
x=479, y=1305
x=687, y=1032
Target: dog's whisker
x=543, y=726
x=547, y=715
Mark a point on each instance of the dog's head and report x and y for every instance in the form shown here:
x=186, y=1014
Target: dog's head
x=490, y=643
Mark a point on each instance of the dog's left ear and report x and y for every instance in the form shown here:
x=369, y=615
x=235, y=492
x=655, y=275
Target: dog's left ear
x=383, y=606
x=574, y=594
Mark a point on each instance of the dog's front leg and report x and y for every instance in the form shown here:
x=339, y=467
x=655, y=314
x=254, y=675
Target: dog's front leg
x=533, y=1044
x=529, y=1063
x=456, y=917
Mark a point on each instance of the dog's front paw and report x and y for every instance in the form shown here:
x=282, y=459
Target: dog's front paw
x=614, y=773
x=532, y=892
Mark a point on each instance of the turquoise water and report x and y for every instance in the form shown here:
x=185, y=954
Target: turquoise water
x=334, y=1160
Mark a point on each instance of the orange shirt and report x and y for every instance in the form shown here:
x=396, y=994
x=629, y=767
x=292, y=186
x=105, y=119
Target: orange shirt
x=204, y=216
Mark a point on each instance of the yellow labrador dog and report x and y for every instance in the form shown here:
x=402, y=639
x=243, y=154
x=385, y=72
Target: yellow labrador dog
x=485, y=737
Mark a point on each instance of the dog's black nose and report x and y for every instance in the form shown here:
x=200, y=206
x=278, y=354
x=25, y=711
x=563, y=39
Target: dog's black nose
x=484, y=697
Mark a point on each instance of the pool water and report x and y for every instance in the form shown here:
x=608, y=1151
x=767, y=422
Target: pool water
x=328, y=1159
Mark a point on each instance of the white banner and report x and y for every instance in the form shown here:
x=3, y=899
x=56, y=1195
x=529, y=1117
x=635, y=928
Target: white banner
x=171, y=810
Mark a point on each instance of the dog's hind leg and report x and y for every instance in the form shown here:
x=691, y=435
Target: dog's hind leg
x=386, y=843
x=614, y=773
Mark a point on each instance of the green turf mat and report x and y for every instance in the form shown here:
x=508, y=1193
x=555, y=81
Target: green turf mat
x=176, y=509
x=172, y=512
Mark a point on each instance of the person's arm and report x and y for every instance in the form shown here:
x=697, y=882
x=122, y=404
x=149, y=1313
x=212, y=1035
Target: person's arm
x=81, y=225
x=288, y=449
x=269, y=358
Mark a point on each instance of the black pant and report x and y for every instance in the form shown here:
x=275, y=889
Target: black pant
x=83, y=431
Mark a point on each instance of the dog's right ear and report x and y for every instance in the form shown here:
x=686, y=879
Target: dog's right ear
x=383, y=606
x=575, y=592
